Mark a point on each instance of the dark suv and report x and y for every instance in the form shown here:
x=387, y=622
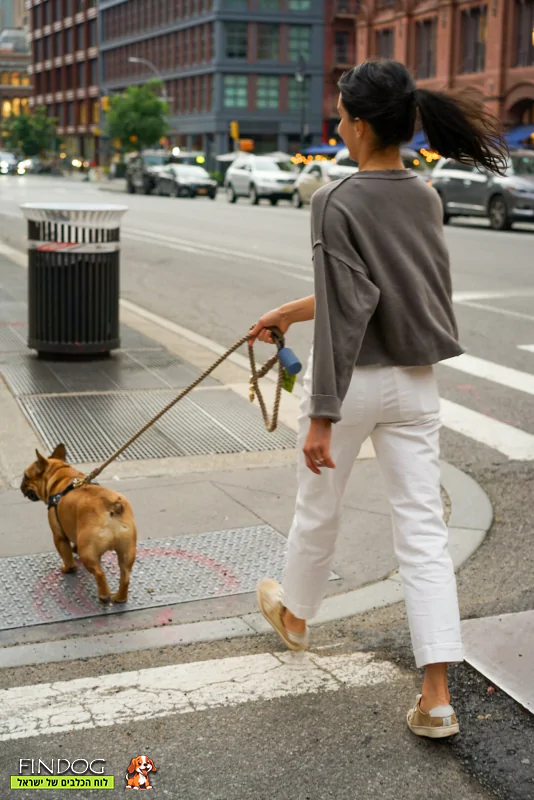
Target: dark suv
x=143, y=169
x=468, y=191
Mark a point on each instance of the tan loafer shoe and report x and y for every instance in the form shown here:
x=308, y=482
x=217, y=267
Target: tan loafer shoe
x=438, y=723
x=269, y=594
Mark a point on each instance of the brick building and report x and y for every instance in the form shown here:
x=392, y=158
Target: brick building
x=445, y=43
x=64, y=40
x=15, y=83
x=222, y=60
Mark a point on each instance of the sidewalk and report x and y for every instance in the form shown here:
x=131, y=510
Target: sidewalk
x=212, y=492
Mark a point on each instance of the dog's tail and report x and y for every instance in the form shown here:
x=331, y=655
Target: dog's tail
x=116, y=508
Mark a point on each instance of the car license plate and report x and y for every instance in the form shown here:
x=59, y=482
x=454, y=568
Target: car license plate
x=202, y=191
x=288, y=189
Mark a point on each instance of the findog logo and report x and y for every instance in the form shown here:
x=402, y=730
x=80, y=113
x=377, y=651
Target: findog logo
x=138, y=771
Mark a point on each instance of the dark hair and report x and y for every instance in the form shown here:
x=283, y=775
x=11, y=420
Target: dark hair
x=383, y=93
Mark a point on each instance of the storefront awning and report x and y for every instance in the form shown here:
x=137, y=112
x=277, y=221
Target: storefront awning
x=520, y=136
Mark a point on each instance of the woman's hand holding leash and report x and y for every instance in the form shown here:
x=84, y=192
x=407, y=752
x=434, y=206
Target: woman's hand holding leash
x=317, y=446
x=273, y=319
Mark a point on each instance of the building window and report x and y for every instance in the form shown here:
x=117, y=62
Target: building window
x=15, y=79
x=57, y=80
x=68, y=8
x=70, y=113
x=68, y=40
x=298, y=94
x=58, y=43
x=300, y=5
x=342, y=47
x=58, y=12
x=385, y=43
x=48, y=47
x=236, y=40
x=81, y=74
x=426, y=48
x=194, y=94
x=474, y=27
x=48, y=12
x=299, y=42
x=93, y=72
x=236, y=5
x=96, y=111
x=83, y=113
x=268, y=42
x=92, y=33
x=194, y=45
x=268, y=91
x=204, y=93
x=80, y=38
x=235, y=91
x=525, y=33
x=268, y=5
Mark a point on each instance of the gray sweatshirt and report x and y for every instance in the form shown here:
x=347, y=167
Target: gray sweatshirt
x=383, y=292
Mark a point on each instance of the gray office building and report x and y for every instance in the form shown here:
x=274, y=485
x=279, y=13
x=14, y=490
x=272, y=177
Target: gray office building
x=256, y=62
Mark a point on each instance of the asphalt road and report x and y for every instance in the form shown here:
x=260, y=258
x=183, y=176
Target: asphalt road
x=214, y=268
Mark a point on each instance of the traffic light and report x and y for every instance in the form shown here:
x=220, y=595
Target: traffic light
x=234, y=130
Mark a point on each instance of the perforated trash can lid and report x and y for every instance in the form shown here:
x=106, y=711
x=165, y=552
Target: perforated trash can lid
x=81, y=215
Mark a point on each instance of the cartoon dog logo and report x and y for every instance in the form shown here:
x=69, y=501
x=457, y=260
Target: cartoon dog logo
x=138, y=772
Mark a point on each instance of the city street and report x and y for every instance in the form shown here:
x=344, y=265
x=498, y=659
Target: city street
x=257, y=725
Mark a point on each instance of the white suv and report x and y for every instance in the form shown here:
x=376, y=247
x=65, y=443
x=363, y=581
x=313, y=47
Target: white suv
x=256, y=177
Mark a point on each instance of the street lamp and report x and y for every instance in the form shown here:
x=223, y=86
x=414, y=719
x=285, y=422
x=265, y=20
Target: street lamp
x=300, y=78
x=155, y=70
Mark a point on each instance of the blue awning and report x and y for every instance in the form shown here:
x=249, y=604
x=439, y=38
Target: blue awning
x=519, y=135
x=418, y=141
x=323, y=150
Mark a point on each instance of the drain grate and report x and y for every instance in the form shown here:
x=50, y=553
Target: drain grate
x=167, y=571
x=206, y=422
x=125, y=370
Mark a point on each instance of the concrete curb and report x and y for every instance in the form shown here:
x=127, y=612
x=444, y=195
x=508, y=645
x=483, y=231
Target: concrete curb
x=471, y=518
x=472, y=515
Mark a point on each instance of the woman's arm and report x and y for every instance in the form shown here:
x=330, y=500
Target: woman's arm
x=297, y=311
x=301, y=310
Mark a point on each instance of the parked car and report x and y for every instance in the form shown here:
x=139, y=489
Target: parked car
x=343, y=165
x=143, y=169
x=185, y=180
x=258, y=177
x=470, y=191
x=8, y=163
x=313, y=176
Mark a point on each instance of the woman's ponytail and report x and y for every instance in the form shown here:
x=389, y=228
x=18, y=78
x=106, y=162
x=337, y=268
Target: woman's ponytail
x=459, y=127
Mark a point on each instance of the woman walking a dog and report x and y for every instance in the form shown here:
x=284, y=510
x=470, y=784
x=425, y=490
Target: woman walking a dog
x=383, y=316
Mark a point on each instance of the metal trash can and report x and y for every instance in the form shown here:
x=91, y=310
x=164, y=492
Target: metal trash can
x=73, y=277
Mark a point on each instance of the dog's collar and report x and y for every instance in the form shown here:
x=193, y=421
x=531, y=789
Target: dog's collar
x=53, y=500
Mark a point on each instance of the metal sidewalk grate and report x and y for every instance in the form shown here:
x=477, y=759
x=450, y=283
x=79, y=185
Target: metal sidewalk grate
x=207, y=422
x=167, y=571
x=12, y=338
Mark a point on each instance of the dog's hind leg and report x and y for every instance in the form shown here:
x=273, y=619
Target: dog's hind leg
x=62, y=545
x=92, y=563
x=126, y=559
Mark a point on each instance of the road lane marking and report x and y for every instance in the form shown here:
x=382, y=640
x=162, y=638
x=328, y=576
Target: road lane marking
x=509, y=441
x=528, y=347
x=272, y=266
x=463, y=297
x=106, y=700
x=497, y=373
x=213, y=249
x=503, y=311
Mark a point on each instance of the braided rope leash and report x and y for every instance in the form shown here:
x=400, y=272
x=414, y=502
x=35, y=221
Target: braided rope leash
x=255, y=376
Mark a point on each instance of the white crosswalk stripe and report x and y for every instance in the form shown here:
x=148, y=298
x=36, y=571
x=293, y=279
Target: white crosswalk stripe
x=85, y=703
x=506, y=439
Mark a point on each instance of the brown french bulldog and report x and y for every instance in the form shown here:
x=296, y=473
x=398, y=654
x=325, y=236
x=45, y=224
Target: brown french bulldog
x=88, y=520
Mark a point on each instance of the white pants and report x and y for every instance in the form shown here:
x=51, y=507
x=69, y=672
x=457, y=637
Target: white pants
x=399, y=408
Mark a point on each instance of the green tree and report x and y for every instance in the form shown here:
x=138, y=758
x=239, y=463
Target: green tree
x=138, y=117
x=30, y=134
